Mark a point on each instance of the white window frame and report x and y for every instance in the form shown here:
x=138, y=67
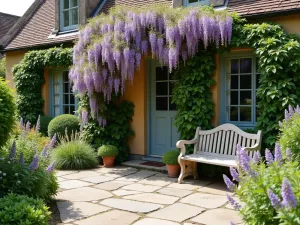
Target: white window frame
x=62, y=10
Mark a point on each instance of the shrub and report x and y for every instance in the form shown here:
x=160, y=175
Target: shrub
x=20, y=209
x=268, y=192
x=60, y=123
x=171, y=157
x=45, y=120
x=75, y=154
x=7, y=112
x=108, y=151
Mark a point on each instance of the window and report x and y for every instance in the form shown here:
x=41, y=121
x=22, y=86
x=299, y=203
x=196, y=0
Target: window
x=62, y=98
x=238, y=92
x=69, y=15
x=215, y=3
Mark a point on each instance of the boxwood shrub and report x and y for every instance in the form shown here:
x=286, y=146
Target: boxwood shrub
x=171, y=157
x=60, y=123
x=108, y=151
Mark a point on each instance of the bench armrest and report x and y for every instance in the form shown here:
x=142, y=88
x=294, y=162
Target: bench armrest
x=256, y=147
x=181, y=144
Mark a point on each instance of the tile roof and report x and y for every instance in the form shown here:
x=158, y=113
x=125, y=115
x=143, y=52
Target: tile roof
x=6, y=22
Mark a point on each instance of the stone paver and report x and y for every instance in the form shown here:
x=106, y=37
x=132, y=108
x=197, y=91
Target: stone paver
x=125, y=192
x=81, y=174
x=153, y=198
x=83, y=194
x=158, y=181
x=150, y=221
x=114, y=217
x=208, y=201
x=129, y=205
x=71, y=184
x=177, y=212
x=174, y=192
x=142, y=174
x=59, y=173
x=218, y=188
x=192, y=185
x=141, y=187
x=112, y=185
x=217, y=217
x=70, y=211
x=97, y=179
x=60, y=179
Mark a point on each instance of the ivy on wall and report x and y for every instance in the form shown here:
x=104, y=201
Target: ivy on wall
x=29, y=77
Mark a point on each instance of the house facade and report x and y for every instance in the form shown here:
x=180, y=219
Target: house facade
x=55, y=22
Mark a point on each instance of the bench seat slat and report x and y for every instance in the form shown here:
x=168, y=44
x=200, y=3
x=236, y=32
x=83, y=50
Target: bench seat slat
x=211, y=159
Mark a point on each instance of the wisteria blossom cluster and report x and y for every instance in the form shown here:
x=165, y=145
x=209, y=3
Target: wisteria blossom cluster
x=110, y=47
x=288, y=113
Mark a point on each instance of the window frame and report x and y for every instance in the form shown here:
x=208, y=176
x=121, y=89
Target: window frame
x=187, y=4
x=61, y=93
x=61, y=22
x=224, y=91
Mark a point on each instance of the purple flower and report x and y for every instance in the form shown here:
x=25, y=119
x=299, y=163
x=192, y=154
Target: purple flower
x=275, y=201
x=234, y=174
x=230, y=185
x=28, y=126
x=232, y=223
x=12, y=153
x=289, y=154
x=50, y=168
x=291, y=111
x=256, y=157
x=21, y=160
x=52, y=142
x=278, y=155
x=35, y=163
x=44, y=153
x=286, y=115
x=84, y=117
x=21, y=124
x=38, y=124
x=234, y=203
x=289, y=199
x=269, y=157
x=243, y=159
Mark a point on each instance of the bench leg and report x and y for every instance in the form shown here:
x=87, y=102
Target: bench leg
x=188, y=168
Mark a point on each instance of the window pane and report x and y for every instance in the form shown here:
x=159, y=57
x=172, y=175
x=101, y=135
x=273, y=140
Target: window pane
x=234, y=98
x=162, y=103
x=234, y=66
x=192, y=1
x=72, y=109
x=245, y=98
x=161, y=88
x=74, y=3
x=66, y=76
x=56, y=100
x=72, y=99
x=66, y=99
x=66, y=4
x=56, y=111
x=66, y=109
x=234, y=114
x=246, y=65
x=234, y=82
x=246, y=82
x=245, y=114
x=162, y=73
x=56, y=89
x=172, y=106
x=171, y=87
x=66, y=19
x=75, y=16
x=66, y=87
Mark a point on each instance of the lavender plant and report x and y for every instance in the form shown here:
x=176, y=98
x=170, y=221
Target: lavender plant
x=268, y=192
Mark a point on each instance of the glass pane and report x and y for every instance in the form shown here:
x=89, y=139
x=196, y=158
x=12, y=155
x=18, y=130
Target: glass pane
x=66, y=109
x=234, y=66
x=66, y=88
x=171, y=87
x=161, y=88
x=66, y=4
x=246, y=65
x=72, y=99
x=172, y=106
x=72, y=109
x=245, y=98
x=56, y=111
x=234, y=82
x=234, y=111
x=75, y=16
x=161, y=103
x=56, y=89
x=172, y=76
x=192, y=1
x=245, y=114
x=56, y=78
x=66, y=99
x=162, y=73
x=257, y=80
x=66, y=76
x=74, y=3
x=66, y=19
x=246, y=82
x=56, y=100
x=234, y=98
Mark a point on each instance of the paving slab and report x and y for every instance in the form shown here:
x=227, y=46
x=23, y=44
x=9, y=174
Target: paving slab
x=153, y=198
x=112, y=185
x=141, y=187
x=158, y=181
x=119, y=174
x=174, y=192
x=191, y=185
x=131, y=206
x=177, y=212
x=105, y=170
x=60, y=173
x=208, y=201
x=150, y=221
x=70, y=211
x=218, y=188
x=60, y=179
x=218, y=217
x=81, y=174
x=97, y=179
x=71, y=184
x=83, y=194
x=142, y=174
x=121, y=193
x=114, y=217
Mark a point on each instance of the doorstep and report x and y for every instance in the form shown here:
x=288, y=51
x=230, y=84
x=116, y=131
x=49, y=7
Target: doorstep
x=139, y=165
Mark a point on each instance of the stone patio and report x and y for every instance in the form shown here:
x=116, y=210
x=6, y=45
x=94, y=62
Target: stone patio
x=128, y=196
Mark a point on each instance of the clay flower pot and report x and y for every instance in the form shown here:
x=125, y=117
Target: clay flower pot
x=108, y=161
x=173, y=170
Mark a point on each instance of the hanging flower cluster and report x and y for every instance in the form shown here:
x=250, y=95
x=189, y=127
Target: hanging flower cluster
x=110, y=47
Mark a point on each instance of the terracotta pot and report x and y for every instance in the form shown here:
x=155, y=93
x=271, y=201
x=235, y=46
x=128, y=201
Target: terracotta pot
x=173, y=170
x=108, y=161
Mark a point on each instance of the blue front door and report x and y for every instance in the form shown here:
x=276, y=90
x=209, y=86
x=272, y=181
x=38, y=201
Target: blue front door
x=163, y=133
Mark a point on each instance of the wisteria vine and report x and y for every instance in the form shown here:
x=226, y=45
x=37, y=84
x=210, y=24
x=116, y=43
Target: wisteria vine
x=110, y=47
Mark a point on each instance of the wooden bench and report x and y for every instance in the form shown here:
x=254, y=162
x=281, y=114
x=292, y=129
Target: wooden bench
x=216, y=147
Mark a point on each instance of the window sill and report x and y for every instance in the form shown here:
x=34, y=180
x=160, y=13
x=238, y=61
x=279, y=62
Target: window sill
x=61, y=34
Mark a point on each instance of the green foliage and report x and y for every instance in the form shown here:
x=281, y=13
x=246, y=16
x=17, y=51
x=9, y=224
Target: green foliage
x=192, y=94
x=116, y=132
x=171, y=157
x=2, y=67
x=107, y=151
x=29, y=77
x=60, y=123
x=20, y=209
x=45, y=120
x=7, y=112
x=76, y=155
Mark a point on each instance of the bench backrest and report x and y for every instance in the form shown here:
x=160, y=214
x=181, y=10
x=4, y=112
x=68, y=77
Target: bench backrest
x=222, y=141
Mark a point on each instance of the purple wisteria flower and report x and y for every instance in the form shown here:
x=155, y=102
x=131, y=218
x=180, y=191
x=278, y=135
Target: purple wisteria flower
x=35, y=163
x=12, y=154
x=278, y=155
x=230, y=185
x=289, y=199
x=286, y=115
x=38, y=124
x=52, y=142
x=27, y=126
x=256, y=157
x=234, y=174
x=44, y=153
x=269, y=157
x=50, y=168
x=275, y=200
x=21, y=160
x=234, y=203
x=84, y=117
x=243, y=159
x=289, y=154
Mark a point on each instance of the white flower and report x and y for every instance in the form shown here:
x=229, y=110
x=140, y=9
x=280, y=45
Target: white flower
x=4, y=174
x=16, y=174
x=0, y=171
x=18, y=182
x=8, y=162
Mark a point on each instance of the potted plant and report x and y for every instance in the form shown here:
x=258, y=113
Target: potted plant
x=171, y=159
x=108, y=154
